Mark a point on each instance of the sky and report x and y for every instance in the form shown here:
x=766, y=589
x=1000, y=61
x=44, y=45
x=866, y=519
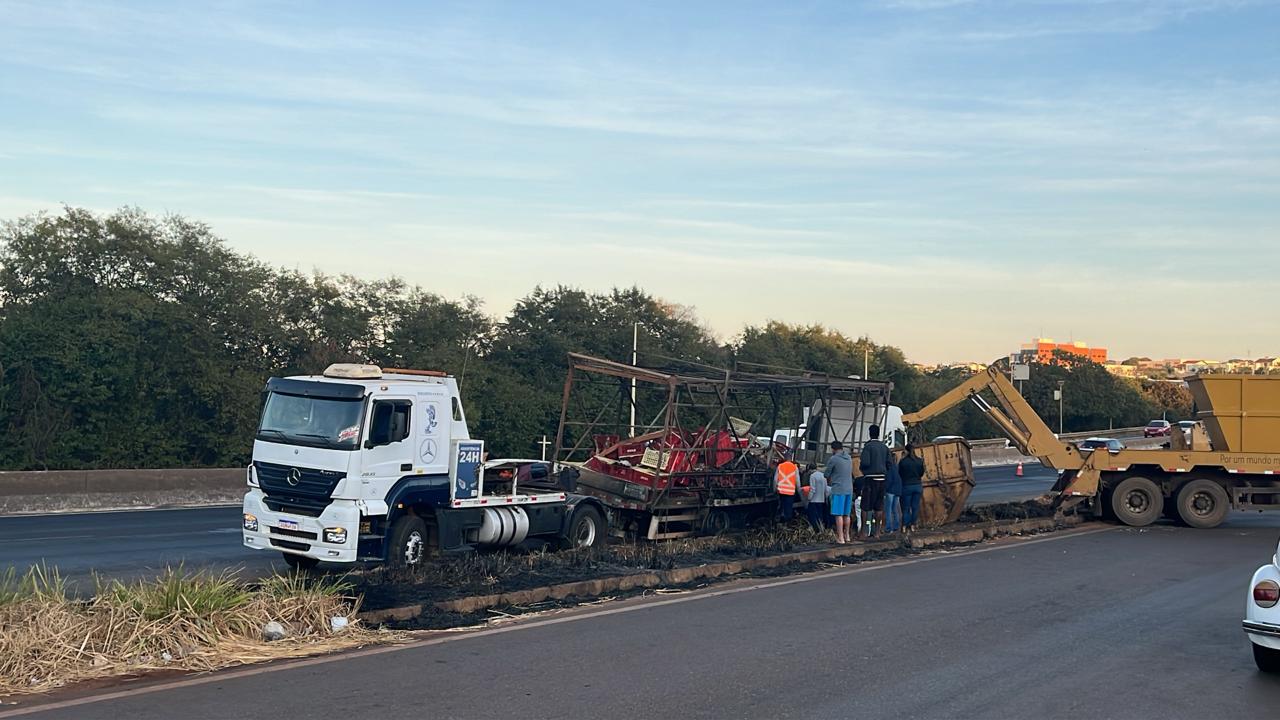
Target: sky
x=953, y=177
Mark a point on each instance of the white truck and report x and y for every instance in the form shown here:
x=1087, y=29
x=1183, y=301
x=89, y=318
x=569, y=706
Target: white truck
x=846, y=421
x=362, y=464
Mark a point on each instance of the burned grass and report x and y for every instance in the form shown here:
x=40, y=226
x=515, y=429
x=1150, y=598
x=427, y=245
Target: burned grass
x=491, y=572
x=179, y=620
x=497, y=572
x=434, y=618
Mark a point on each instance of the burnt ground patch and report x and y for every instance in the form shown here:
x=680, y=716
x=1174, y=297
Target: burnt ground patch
x=492, y=573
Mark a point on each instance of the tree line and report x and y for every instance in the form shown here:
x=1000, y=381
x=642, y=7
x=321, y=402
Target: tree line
x=133, y=340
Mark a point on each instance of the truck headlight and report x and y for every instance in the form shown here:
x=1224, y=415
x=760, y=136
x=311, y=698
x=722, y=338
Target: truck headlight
x=1266, y=593
x=250, y=522
x=336, y=535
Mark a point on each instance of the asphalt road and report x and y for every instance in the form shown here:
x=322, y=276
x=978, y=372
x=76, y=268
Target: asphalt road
x=139, y=543
x=1099, y=623
x=1001, y=484
x=130, y=544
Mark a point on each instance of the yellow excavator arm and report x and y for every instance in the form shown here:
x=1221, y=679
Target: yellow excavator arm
x=1011, y=414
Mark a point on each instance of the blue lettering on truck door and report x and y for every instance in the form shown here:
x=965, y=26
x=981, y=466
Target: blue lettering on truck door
x=467, y=474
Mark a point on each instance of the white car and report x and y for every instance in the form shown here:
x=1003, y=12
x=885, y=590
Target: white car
x=1262, y=615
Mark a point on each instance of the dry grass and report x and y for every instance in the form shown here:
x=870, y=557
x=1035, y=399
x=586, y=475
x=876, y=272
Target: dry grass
x=181, y=619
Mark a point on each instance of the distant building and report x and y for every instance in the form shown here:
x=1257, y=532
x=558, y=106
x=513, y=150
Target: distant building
x=1129, y=371
x=1041, y=351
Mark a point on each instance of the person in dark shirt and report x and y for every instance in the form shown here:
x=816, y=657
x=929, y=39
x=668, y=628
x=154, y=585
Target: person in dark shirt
x=911, y=470
x=892, y=492
x=874, y=465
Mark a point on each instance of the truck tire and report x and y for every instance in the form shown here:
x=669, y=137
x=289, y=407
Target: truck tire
x=1203, y=504
x=1267, y=659
x=717, y=521
x=1137, y=501
x=300, y=562
x=407, y=543
x=586, y=528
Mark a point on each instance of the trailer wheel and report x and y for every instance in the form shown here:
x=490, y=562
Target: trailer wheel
x=407, y=544
x=1137, y=501
x=1203, y=504
x=586, y=528
x=300, y=562
x=717, y=521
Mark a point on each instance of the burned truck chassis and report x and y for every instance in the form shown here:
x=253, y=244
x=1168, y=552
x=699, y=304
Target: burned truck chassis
x=722, y=406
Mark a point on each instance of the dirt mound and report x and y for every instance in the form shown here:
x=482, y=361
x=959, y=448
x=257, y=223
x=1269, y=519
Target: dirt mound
x=1038, y=508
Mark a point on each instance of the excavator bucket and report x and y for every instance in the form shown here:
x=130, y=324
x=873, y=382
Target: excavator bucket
x=948, y=480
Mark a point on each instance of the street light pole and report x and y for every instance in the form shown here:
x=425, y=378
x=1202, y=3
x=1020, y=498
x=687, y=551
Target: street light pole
x=635, y=337
x=1060, y=384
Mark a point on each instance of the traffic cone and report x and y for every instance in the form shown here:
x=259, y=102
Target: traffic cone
x=1018, y=472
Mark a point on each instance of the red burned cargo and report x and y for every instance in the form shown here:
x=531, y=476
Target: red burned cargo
x=672, y=452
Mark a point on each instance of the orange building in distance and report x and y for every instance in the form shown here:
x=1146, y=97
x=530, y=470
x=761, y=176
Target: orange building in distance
x=1041, y=350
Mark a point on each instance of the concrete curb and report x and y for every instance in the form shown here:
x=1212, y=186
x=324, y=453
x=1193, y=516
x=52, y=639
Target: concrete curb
x=683, y=575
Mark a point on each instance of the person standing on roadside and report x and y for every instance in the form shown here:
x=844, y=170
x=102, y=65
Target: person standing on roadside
x=911, y=470
x=892, y=491
x=874, y=463
x=816, y=498
x=839, y=473
x=786, y=480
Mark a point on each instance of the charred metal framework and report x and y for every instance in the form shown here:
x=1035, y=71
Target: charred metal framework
x=597, y=403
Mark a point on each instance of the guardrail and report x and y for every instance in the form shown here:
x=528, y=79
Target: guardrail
x=1114, y=432
x=64, y=490
x=67, y=490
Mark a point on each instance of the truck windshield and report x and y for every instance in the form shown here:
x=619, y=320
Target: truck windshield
x=317, y=422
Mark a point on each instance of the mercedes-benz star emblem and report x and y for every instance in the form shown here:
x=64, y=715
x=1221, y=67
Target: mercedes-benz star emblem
x=294, y=477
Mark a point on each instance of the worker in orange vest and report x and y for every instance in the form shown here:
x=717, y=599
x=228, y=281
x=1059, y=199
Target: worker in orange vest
x=786, y=479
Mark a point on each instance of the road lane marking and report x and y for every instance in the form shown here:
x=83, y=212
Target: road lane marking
x=223, y=676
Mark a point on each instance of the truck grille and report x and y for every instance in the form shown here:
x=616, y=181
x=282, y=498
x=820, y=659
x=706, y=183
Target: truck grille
x=309, y=493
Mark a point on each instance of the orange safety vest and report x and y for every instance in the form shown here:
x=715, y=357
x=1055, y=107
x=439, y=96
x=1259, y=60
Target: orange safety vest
x=787, y=478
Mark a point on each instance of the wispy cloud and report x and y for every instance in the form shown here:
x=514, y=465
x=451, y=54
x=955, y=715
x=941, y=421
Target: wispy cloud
x=974, y=145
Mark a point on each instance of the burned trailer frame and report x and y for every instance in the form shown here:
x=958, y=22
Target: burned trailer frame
x=697, y=465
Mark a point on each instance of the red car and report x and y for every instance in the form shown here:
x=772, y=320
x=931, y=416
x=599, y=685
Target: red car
x=1156, y=428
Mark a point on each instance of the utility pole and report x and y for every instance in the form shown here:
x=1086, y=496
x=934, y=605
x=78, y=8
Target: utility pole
x=635, y=337
x=866, y=362
x=1060, y=384
x=544, y=443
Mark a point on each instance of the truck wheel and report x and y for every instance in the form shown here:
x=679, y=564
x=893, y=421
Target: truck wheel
x=1267, y=659
x=1137, y=501
x=407, y=544
x=586, y=528
x=717, y=521
x=1203, y=504
x=300, y=562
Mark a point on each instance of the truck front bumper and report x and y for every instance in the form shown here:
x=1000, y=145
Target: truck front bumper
x=310, y=537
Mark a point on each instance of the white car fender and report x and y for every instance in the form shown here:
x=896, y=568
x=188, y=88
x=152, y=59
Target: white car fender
x=1269, y=617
